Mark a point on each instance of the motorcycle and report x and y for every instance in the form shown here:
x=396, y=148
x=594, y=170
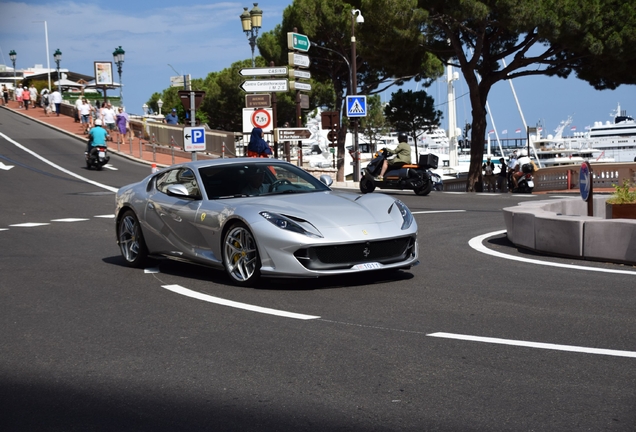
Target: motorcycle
x=97, y=157
x=525, y=183
x=418, y=178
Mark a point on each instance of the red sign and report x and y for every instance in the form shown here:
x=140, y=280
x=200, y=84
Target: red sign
x=261, y=118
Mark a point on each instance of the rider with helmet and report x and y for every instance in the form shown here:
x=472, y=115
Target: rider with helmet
x=97, y=136
x=402, y=156
x=518, y=168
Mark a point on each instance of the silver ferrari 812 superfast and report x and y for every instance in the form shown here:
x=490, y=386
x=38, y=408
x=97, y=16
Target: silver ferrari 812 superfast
x=258, y=217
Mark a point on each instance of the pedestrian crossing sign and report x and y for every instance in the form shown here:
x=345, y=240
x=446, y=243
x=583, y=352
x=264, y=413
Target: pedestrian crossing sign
x=356, y=106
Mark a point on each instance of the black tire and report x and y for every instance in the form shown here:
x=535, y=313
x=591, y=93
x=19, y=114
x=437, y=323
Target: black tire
x=366, y=185
x=131, y=240
x=240, y=256
x=425, y=190
x=88, y=165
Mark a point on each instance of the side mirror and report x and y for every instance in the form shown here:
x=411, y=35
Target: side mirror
x=326, y=179
x=178, y=190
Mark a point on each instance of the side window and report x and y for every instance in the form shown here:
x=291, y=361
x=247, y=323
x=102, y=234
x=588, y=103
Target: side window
x=182, y=176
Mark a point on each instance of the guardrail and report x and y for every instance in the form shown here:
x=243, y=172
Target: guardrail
x=566, y=177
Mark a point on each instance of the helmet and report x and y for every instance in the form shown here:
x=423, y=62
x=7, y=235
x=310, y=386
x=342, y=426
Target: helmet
x=98, y=122
x=523, y=153
x=402, y=137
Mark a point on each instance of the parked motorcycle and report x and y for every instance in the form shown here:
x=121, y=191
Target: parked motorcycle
x=97, y=157
x=418, y=178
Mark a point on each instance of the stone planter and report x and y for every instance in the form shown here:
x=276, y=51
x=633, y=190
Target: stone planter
x=620, y=211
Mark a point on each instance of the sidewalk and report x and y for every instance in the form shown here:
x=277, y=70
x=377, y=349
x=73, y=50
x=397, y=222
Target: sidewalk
x=130, y=149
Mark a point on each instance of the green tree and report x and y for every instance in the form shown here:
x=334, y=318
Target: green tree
x=412, y=112
x=596, y=39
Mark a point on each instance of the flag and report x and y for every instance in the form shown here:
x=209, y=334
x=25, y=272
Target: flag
x=573, y=128
x=518, y=131
x=540, y=129
x=491, y=131
x=505, y=131
x=587, y=128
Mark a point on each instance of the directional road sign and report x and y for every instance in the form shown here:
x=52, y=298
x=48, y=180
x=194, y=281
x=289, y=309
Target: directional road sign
x=258, y=100
x=263, y=71
x=299, y=60
x=295, y=85
x=292, y=134
x=297, y=41
x=276, y=85
x=356, y=106
x=194, y=139
x=299, y=74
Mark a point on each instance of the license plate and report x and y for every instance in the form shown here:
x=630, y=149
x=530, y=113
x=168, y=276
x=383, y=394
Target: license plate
x=367, y=266
x=102, y=154
x=530, y=183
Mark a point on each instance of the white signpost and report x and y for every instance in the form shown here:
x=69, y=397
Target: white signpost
x=298, y=60
x=295, y=85
x=276, y=85
x=263, y=71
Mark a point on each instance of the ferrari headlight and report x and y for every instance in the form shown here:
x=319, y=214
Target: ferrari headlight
x=407, y=216
x=286, y=223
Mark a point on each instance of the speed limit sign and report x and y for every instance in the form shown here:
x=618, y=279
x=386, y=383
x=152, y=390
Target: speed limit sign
x=259, y=118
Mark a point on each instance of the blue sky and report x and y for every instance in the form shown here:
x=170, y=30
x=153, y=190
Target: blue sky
x=198, y=37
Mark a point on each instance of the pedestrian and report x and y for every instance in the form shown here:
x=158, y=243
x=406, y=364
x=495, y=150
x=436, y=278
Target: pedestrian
x=502, y=178
x=85, y=113
x=78, y=105
x=5, y=94
x=489, y=174
x=26, y=97
x=122, y=124
x=172, y=118
x=17, y=93
x=108, y=117
x=512, y=164
x=56, y=100
x=257, y=146
x=34, y=95
x=45, y=101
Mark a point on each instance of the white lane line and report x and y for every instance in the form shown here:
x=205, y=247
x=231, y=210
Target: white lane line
x=151, y=270
x=29, y=224
x=439, y=211
x=476, y=243
x=4, y=229
x=69, y=220
x=539, y=345
x=110, y=167
x=20, y=146
x=217, y=300
x=108, y=216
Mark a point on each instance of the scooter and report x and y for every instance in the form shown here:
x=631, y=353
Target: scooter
x=525, y=183
x=417, y=178
x=97, y=157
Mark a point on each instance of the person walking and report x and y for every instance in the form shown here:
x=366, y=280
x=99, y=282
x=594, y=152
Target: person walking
x=17, y=93
x=26, y=97
x=502, y=177
x=489, y=174
x=56, y=100
x=108, y=117
x=45, y=101
x=5, y=94
x=85, y=114
x=34, y=95
x=122, y=124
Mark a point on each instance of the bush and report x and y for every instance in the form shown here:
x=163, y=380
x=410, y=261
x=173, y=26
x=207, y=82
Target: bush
x=622, y=194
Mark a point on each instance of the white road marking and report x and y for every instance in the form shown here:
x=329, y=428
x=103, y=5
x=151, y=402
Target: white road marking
x=4, y=229
x=110, y=167
x=539, y=345
x=440, y=211
x=69, y=220
x=476, y=243
x=217, y=300
x=20, y=146
x=108, y=216
x=5, y=167
x=151, y=270
x=29, y=224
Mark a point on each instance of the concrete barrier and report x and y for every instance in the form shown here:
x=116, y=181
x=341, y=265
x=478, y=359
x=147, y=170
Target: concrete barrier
x=562, y=228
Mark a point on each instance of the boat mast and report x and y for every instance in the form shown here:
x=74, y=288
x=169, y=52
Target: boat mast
x=452, y=117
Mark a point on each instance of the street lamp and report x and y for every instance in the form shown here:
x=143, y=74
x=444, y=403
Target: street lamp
x=251, y=22
x=13, y=55
x=159, y=104
x=356, y=16
x=57, y=55
x=145, y=108
x=118, y=57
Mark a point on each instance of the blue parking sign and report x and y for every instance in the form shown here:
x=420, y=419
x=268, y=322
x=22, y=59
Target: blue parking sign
x=356, y=106
x=194, y=139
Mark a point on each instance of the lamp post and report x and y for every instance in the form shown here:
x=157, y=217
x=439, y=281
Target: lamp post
x=159, y=104
x=356, y=16
x=145, y=108
x=57, y=55
x=251, y=22
x=13, y=55
x=118, y=57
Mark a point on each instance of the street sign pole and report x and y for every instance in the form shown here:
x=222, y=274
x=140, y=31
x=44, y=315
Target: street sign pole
x=193, y=121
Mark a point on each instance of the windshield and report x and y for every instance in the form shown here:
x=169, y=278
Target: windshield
x=255, y=179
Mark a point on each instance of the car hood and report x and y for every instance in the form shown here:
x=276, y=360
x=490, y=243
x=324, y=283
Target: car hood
x=328, y=209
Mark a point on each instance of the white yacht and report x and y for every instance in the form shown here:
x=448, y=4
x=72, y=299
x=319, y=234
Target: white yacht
x=615, y=140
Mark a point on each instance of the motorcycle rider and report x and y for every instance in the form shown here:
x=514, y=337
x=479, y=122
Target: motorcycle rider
x=518, y=168
x=97, y=136
x=402, y=156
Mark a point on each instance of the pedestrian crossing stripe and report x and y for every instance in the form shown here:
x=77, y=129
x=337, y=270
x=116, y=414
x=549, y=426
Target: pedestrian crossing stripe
x=356, y=106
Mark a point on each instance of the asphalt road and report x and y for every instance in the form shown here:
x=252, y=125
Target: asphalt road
x=466, y=341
